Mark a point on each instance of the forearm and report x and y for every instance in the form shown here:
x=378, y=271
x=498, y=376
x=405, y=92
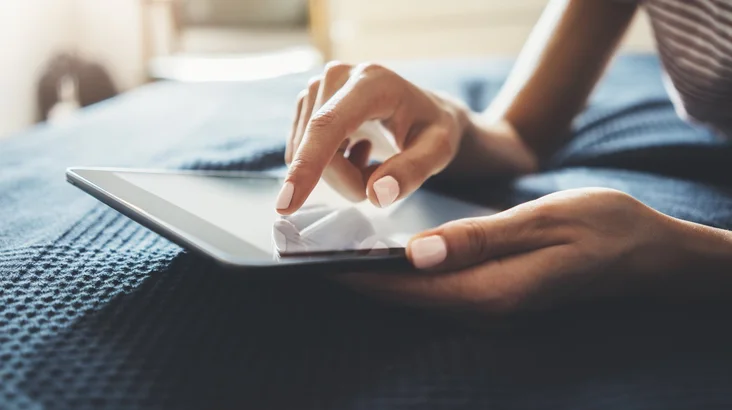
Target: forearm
x=490, y=150
x=689, y=262
x=706, y=255
x=558, y=68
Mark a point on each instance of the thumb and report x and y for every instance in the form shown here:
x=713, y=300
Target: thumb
x=471, y=241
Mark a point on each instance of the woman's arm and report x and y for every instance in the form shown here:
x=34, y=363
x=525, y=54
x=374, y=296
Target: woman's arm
x=559, y=66
x=551, y=81
x=705, y=268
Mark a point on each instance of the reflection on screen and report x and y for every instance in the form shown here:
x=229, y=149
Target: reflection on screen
x=318, y=227
x=244, y=207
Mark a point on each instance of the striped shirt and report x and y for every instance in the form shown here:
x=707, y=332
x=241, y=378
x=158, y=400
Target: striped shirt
x=694, y=39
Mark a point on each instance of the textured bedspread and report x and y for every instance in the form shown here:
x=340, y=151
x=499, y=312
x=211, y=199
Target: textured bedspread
x=97, y=312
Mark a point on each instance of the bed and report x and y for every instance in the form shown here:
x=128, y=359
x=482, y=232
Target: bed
x=98, y=312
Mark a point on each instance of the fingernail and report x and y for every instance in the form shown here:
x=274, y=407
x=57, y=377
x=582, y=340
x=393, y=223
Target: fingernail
x=285, y=196
x=428, y=251
x=387, y=190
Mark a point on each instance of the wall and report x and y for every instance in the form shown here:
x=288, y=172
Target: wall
x=360, y=30
x=111, y=33
x=32, y=31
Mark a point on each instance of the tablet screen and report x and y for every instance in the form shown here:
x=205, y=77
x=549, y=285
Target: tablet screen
x=244, y=207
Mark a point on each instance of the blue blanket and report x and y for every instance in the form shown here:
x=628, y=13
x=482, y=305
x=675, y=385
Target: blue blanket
x=98, y=312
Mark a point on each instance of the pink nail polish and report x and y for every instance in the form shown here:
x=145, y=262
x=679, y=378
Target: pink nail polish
x=387, y=190
x=429, y=251
x=285, y=196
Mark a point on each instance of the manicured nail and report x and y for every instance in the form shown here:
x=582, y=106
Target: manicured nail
x=285, y=196
x=387, y=190
x=428, y=251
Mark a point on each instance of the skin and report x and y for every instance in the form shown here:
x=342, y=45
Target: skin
x=571, y=246
x=564, y=247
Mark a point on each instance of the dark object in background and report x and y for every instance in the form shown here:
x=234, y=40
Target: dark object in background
x=91, y=80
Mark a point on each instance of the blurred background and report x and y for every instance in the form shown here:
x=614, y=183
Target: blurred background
x=59, y=55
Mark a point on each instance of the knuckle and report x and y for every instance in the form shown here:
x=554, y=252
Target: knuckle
x=379, y=83
x=302, y=95
x=614, y=196
x=302, y=166
x=545, y=214
x=299, y=104
x=301, y=162
x=302, y=99
x=314, y=80
x=442, y=140
x=475, y=238
x=323, y=119
x=314, y=84
x=335, y=68
x=410, y=166
x=372, y=69
x=313, y=90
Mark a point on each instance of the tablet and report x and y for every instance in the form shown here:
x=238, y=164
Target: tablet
x=230, y=217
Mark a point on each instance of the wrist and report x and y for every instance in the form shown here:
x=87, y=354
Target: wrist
x=503, y=138
x=703, y=248
x=488, y=148
x=492, y=149
x=702, y=258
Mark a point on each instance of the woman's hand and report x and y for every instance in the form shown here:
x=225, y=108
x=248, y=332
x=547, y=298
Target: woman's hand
x=568, y=246
x=428, y=132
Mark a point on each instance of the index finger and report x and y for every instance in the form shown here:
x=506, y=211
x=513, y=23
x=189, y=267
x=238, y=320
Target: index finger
x=362, y=98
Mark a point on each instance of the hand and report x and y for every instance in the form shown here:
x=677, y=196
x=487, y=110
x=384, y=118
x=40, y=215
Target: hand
x=428, y=132
x=571, y=245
